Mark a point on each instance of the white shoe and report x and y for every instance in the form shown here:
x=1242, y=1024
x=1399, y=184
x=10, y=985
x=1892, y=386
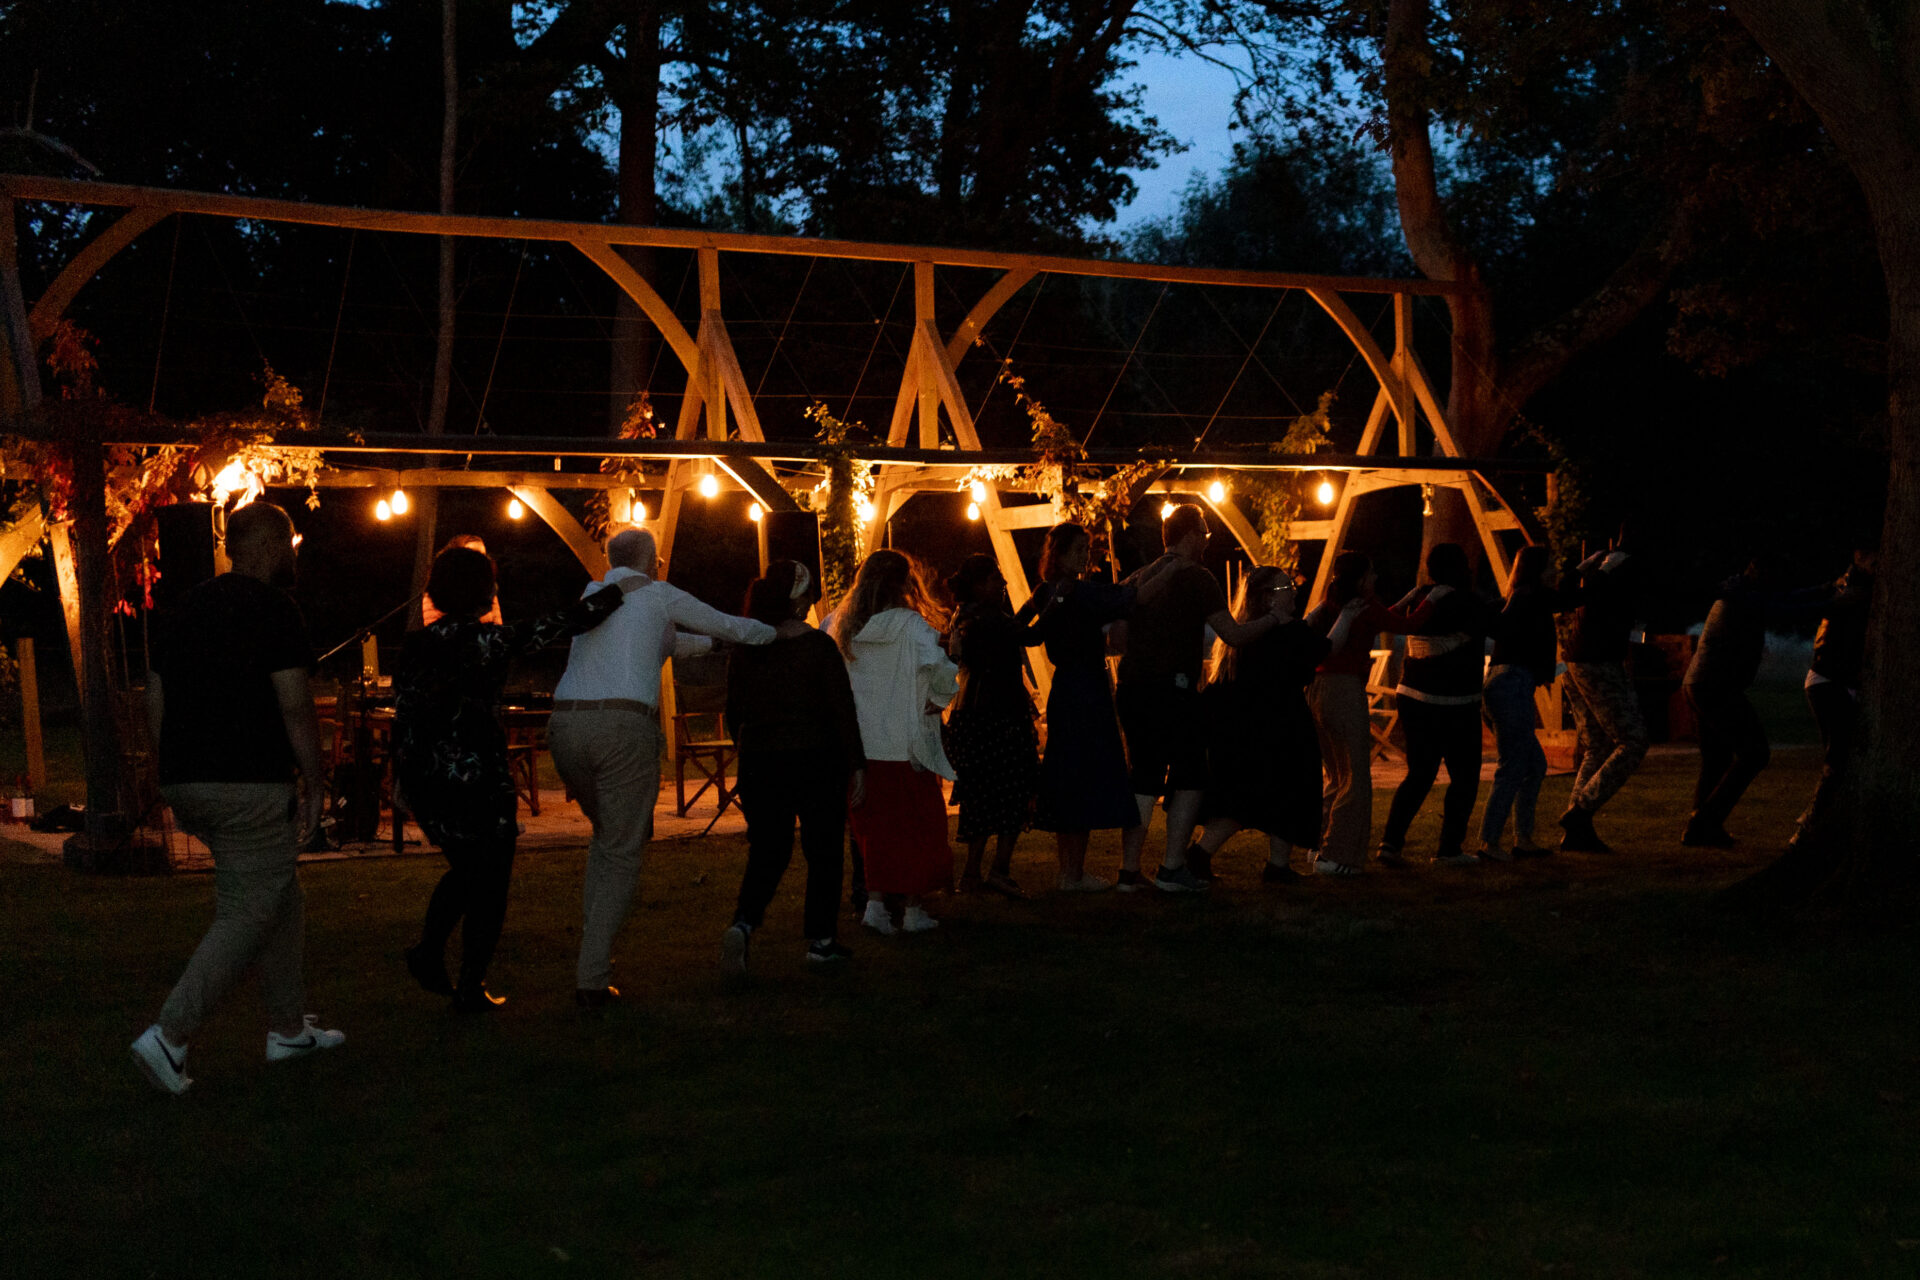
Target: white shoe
x=916, y=920
x=1085, y=884
x=311, y=1037
x=877, y=918
x=160, y=1061
x=1328, y=867
x=733, y=949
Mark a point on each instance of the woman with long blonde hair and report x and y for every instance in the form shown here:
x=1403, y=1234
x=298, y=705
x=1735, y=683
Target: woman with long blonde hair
x=902, y=677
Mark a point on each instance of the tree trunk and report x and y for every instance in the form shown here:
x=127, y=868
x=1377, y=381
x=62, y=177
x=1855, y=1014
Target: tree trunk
x=637, y=91
x=426, y=503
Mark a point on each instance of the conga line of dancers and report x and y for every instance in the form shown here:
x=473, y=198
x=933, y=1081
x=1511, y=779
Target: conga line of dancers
x=1230, y=715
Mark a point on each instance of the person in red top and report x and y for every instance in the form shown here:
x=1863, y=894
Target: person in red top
x=1338, y=697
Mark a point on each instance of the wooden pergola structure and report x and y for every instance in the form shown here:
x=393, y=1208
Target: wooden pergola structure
x=931, y=445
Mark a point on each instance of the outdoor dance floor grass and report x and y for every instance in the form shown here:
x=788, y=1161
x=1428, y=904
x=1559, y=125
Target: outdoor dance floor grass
x=1575, y=1067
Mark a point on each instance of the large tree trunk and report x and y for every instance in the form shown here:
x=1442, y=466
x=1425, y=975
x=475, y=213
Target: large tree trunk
x=1858, y=67
x=107, y=823
x=636, y=89
x=426, y=503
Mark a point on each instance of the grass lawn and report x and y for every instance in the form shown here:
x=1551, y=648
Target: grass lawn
x=1576, y=1066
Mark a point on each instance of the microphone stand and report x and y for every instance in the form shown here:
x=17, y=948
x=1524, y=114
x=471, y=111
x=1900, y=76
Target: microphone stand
x=360, y=636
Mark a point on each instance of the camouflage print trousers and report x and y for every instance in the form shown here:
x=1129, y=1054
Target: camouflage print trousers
x=1613, y=734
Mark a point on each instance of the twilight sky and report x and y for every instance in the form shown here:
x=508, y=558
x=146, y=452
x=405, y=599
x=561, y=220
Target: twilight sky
x=1193, y=100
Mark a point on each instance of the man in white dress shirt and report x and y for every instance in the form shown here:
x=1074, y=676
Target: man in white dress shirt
x=606, y=738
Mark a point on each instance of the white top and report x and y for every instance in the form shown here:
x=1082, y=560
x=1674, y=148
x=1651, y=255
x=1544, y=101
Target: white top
x=621, y=658
x=898, y=670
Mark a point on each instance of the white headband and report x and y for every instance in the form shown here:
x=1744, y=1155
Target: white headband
x=802, y=583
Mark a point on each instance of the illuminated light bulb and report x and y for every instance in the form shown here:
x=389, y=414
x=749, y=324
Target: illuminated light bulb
x=709, y=485
x=400, y=503
x=382, y=510
x=755, y=511
x=1166, y=510
x=865, y=511
x=515, y=509
x=1324, y=493
x=232, y=479
x=298, y=538
x=979, y=491
x=1217, y=491
x=639, y=511
x=973, y=511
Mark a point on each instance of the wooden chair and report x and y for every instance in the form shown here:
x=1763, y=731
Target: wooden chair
x=1382, y=707
x=701, y=742
x=526, y=739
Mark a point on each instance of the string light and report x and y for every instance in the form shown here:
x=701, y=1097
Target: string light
x=979, y=491
x=709, y=485
x=1166, y=510
x=399, y=502
x=973, y=511
x=755, y=511
x=232, y=479
x=865, y=510
x=1217, y=491
x=1324, y=492
x=1426, y=499
x=639, y=511
x=382, y=510
x=515, y=509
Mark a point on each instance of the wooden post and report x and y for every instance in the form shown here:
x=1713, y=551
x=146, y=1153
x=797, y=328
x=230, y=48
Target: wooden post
x=30, y=716
x=100, y=736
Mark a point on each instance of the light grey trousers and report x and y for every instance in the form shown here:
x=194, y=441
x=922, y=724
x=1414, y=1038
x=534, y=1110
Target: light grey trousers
x=259, y=914
x=610, y=760
x=1612, y=732
x=1339, y=705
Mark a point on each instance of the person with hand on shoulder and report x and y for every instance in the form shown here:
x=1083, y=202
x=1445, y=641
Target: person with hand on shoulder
x=1525, y=658
x=902, y=677
x=1606, y=707
x=790, y=710
x=990, y=735
x=451, y=761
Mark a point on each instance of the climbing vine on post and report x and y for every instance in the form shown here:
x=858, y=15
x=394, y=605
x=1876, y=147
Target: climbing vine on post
x=838, y=498
x=1272, y=494
x=638, y=424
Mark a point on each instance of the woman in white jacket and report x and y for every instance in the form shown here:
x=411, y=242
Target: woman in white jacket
x=902, y=677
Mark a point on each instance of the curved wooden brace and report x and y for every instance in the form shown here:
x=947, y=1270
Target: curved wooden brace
x=990, y=302
x=25, y=526
x=543, y=504
x=608, y=259
x=1377, y=360
x=85, y=265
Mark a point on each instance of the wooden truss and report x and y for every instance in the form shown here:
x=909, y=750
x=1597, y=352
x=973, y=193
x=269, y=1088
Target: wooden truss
x=718, y=409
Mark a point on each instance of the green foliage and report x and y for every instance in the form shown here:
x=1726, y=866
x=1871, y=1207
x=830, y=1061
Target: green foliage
x=638, y=424
x=1274, y=495
x=848, y=481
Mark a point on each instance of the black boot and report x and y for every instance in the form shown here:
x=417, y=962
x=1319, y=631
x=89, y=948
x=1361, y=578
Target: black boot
x=1580, y=836
x=429, y=970
x=473, y=997
x=1701, y=835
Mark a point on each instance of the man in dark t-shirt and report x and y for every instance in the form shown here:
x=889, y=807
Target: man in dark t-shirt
x=1159, y=696
x=228, y=702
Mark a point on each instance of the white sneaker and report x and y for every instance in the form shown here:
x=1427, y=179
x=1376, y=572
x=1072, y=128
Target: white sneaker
x=1328, y=867
x=733, y=949
x=160, y=1061
x=311, y=1037
x=877, y=918
x=916, y=920
x=1085, y=884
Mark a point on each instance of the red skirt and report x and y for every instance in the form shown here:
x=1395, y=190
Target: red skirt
x=902, y=830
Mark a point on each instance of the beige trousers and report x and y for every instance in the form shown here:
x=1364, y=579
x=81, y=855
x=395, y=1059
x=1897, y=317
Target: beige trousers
x=1339, y=705
x=610, y=760
x=259, y=915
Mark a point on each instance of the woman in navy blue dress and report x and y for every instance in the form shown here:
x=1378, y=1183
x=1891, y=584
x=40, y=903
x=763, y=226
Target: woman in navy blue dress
x=1083, y=775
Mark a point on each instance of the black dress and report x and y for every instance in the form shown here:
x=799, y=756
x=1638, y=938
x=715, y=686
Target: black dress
x=989, y=735
x=1083, y=775
x=1263, y=754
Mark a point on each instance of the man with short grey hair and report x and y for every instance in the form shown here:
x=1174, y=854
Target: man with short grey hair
x=606, y=739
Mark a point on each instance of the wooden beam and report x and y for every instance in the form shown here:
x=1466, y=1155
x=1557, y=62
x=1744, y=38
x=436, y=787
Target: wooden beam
x=19, y=369
x=598, y=235
x=1357, y=333
x=1003, y=289
x=561, y=521
x=25, y=526
x=648, y=299
x=86, y=264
